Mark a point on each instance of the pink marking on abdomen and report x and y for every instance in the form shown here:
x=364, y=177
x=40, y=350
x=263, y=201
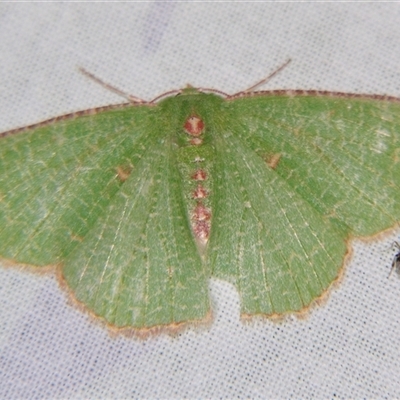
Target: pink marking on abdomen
x=201, y=213
x=199, y=175
x=201, y=230
x=200, y=192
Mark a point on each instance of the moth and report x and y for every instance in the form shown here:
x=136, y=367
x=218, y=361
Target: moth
x=137, y=205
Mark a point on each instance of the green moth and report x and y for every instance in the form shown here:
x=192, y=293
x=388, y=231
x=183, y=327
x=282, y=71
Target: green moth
x=138, y=205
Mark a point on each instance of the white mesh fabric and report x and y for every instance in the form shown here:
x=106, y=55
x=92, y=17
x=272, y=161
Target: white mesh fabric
x=347, y=348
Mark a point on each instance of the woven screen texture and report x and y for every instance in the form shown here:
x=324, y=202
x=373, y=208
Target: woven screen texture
x=347, y=348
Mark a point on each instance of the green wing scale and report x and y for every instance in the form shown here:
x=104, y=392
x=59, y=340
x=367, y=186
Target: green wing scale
x=139, y=205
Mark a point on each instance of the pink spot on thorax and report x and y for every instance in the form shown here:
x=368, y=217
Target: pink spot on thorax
x=194, y=126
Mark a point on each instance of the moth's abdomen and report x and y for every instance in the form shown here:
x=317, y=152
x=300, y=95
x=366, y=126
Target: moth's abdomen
x=195, y=161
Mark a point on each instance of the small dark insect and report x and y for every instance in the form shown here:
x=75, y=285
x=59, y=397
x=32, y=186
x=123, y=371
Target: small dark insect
x=396, y=260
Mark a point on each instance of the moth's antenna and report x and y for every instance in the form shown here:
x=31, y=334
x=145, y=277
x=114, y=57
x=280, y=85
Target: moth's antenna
x=269, y=77
x=129, y=97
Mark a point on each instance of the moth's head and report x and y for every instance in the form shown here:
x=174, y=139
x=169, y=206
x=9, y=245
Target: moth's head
x=193, y=98
x=189, y=90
